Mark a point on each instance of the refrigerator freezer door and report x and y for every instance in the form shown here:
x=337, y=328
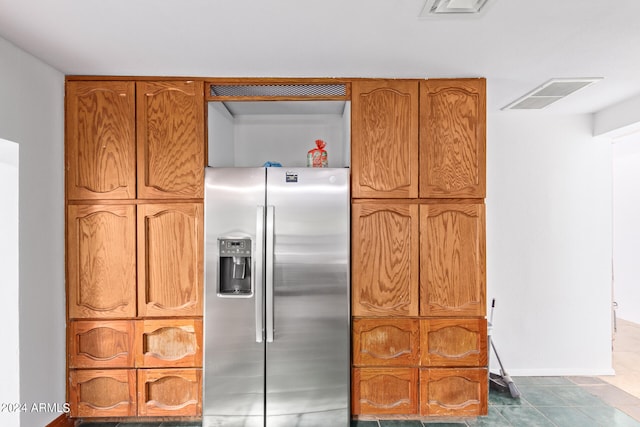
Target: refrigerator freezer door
x=234, y=347
x=307, y=370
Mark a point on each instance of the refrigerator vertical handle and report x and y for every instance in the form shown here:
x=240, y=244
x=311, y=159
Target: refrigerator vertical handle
x=258, y=273
x=269, y=258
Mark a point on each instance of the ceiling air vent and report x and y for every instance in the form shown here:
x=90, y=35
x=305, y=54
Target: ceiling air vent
x=550, y=92
x=458, y=7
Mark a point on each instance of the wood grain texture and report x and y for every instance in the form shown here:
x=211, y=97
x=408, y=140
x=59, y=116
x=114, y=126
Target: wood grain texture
x=101, y=261
x=100, y=149
x=452, y=260
x=386, y=342
x=453, y=138
x=101, y=344
x=170, y=259
x=169, y=343
x=453, y=342
x=175, y=392
x=384, y=391
x=171, y=141
x=453, y=392
x=102, y=393
x=384, y=138
x=384, y=260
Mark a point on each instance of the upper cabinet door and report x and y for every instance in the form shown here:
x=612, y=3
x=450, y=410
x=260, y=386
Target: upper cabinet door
x=170, y=139
x=384, y=138
x=452, y=260
x=100, y=146
x=452, y=138
x=170, y=259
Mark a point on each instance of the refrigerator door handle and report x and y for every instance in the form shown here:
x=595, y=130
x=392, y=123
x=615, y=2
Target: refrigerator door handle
x=258, y=271
x=269, y=246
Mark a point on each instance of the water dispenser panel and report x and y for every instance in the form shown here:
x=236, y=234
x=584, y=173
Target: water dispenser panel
x=235, y=267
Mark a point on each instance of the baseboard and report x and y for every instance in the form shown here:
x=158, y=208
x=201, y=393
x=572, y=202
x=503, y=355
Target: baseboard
x=62, y=421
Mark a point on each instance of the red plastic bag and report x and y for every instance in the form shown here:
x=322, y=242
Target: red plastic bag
x=317, y=157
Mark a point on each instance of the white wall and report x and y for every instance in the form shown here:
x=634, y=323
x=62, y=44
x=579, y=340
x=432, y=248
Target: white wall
x=626, y=230
x=32, y=114
x=9, y=337
x=549, y=232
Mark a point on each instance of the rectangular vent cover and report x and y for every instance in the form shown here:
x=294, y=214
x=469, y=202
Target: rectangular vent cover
x=280, y=90
x=550, y=92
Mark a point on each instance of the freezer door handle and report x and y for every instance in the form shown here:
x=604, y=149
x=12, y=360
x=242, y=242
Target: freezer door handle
x=258, y=272
x=269, y=247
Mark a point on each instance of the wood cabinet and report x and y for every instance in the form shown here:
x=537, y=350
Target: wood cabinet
x=452, y=138
x=100, y=153
x=101, y=261
x=170, y=259
x=423, y=223
x=452, y=259
x=134, y=188
x=384, y=138
x=384, y=259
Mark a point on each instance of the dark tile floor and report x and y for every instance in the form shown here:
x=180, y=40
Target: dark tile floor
x=545, y=402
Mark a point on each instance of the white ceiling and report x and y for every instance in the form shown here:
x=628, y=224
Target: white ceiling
x=516, y=44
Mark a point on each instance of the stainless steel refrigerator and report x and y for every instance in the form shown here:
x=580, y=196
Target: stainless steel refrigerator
x=277, y=320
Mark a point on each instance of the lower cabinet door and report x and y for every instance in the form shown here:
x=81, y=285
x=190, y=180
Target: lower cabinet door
x=101, y=344
x=382, y=391
x=169, y=392
x=453, y=342
x=453, y=392
x=386, y=342
x=102, y=393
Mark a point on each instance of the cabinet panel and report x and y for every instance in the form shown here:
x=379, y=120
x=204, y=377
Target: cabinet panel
x=453, y=342
x=169, y=392
x=102, y=393
x=171, y=141
x=101, y=344
x=386, y=342
x=452, y=260
x=101, y=247
x=100, y=140
x=385, y=259
x=453, y=392
x=169, y=343
x=380, y=391
x=170, y=259
x=452, y=138
x=384, y=138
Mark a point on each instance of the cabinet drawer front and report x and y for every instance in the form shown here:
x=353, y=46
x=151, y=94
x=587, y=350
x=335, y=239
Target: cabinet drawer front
x=385, y=391
x=102, y=393
x=169, y=343
x=386, y=342
x=101, y=344
x=170, y=392
x=453, y=342
x=453, y=392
